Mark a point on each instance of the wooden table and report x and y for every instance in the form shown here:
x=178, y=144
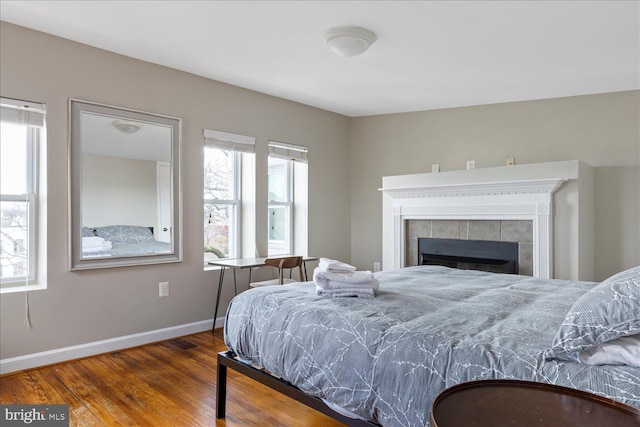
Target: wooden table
x=495, y=403
x=242, y=263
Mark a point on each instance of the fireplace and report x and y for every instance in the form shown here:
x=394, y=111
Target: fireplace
x=556, y=198
x=484, y=255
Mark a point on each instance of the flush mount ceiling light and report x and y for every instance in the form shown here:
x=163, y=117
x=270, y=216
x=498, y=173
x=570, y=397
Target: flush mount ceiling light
x=349, y=41
x=127, y=127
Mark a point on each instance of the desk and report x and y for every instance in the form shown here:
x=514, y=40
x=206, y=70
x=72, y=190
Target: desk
x=242, y=263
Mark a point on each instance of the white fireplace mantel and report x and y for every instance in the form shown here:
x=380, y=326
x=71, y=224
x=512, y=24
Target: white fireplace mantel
x=487, y=189
x=524, y=192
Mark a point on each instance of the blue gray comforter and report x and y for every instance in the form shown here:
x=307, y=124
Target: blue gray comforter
x=385, y=359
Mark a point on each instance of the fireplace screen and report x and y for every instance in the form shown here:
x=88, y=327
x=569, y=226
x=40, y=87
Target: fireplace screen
x=497, y=257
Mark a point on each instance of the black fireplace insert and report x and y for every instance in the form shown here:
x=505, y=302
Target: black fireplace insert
x=497, y=257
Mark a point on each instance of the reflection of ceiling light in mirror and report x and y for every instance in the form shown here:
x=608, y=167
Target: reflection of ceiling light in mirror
x=349, y=41
x=127, y=127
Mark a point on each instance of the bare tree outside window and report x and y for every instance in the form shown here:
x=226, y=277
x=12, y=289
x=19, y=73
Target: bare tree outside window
x=14, y=238
x=220, y=203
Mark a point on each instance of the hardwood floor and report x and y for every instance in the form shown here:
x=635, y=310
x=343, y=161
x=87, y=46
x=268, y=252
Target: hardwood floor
x=171, y=383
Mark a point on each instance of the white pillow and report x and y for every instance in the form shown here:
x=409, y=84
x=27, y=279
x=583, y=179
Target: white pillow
x=621, y=351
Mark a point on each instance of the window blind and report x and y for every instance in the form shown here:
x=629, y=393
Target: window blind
x=22, y=112
x=229, y=141
x=286, y=151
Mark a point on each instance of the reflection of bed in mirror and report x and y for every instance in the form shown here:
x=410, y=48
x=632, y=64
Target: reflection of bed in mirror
x=121, y=241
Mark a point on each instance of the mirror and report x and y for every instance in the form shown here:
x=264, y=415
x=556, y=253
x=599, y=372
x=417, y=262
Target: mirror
x=125, y=199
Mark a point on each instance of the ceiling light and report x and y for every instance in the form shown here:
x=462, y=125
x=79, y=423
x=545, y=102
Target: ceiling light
x=127, y=127
x=349, y=41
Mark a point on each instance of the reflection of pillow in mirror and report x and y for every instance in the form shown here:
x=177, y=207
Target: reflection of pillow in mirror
x=621, y=351
x=608, y=311
x=125, y=234
x=88, y=232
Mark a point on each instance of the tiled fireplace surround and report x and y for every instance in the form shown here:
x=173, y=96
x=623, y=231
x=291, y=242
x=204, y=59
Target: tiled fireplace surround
x=546, y=207
x=520, y=231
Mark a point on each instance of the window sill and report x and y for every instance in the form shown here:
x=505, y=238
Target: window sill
x=22, y=288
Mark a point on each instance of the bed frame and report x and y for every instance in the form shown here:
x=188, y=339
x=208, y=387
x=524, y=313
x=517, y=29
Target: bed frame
x=227, y=359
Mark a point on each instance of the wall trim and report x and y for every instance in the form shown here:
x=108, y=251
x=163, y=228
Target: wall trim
x=35, y=360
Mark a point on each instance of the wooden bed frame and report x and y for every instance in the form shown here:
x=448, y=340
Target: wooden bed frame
x=227, y=359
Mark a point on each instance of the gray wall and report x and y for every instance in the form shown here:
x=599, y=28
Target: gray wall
x=87, y=306
x=600, y=130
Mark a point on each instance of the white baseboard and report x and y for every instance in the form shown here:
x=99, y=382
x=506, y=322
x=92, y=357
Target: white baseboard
x=49, y=357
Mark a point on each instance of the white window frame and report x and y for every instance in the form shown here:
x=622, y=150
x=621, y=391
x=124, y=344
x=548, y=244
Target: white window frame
x=233, y=201
x=280, y=247
x=32, y=116
x=292, y=154
x=237, y=145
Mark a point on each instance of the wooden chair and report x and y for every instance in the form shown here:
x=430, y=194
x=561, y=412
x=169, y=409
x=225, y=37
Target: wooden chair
x=281, y=264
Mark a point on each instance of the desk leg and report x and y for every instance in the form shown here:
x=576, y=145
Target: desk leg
x=306, y=276
x=235, y=286
x=215, y=311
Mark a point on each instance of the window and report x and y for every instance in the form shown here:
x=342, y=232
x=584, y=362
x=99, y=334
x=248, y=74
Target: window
x=223, y=159
x=280, y=206
x=283, y=187
x=221, y=202
x=21, y=129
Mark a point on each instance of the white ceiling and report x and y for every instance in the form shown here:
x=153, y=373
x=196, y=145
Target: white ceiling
x=152, y=142
x=429, y=54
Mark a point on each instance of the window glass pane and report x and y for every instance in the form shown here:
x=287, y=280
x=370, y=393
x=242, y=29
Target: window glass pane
x=218, y=174
x=13, y=159
x=13, y=239
x=279, y=230
x=278, y=223
x=220, y=204
x=219, y=230
x=278, y=180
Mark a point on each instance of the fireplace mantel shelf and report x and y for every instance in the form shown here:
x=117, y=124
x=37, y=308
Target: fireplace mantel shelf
x=531, y=186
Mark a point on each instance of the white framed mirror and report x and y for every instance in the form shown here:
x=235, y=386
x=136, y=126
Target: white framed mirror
x=125, y=187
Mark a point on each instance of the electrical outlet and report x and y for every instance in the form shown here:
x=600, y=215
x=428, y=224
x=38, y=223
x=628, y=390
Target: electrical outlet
x=471, y=164
x=435, y=167
x=511, y=161
x=164, y=289
x=376, y=266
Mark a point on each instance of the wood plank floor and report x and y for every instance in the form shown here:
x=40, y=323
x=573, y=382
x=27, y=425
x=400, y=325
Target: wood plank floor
x=171, y=383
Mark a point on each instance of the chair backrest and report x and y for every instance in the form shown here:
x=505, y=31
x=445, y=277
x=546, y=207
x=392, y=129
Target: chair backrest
x=286, y=262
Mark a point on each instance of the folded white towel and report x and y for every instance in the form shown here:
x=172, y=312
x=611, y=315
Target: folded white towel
x=347, y=292
x=332, y=265
x=93, y=241
x=95, y=244
x=338, y=279
x=322, y=277
x=332, y=285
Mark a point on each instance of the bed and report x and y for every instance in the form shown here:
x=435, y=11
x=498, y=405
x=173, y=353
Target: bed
x=384, y=359
x=121, y=241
